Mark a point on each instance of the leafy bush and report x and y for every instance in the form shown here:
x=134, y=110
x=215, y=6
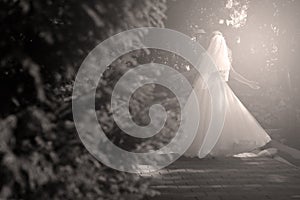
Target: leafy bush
x=42, y=46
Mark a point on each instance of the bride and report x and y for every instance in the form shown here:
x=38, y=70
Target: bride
x=241, y=132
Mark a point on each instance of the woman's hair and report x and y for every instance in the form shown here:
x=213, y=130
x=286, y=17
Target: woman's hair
x=217, y=33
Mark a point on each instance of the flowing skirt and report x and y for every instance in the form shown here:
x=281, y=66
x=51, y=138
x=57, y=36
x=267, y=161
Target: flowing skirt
x=241, y=132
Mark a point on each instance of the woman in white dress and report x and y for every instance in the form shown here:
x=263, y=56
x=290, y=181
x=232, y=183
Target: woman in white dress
x=241, y=132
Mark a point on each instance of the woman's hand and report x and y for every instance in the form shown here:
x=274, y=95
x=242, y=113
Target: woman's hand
x=254, y=85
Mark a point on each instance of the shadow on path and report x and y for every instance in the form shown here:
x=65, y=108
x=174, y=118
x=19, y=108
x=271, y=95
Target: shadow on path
x=226, y=178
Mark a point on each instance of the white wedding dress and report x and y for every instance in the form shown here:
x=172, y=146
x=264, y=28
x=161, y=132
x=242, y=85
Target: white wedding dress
x=241, y=132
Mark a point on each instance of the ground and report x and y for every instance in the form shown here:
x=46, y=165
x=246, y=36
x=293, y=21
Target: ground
x=227, y=178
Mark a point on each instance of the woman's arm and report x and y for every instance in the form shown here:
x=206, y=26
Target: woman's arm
x=235, y=75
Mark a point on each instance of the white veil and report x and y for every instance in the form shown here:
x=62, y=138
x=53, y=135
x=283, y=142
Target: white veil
x=218, y=51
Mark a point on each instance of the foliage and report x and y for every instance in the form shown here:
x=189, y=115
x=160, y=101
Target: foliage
x=141, y=101
x=42, y=45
